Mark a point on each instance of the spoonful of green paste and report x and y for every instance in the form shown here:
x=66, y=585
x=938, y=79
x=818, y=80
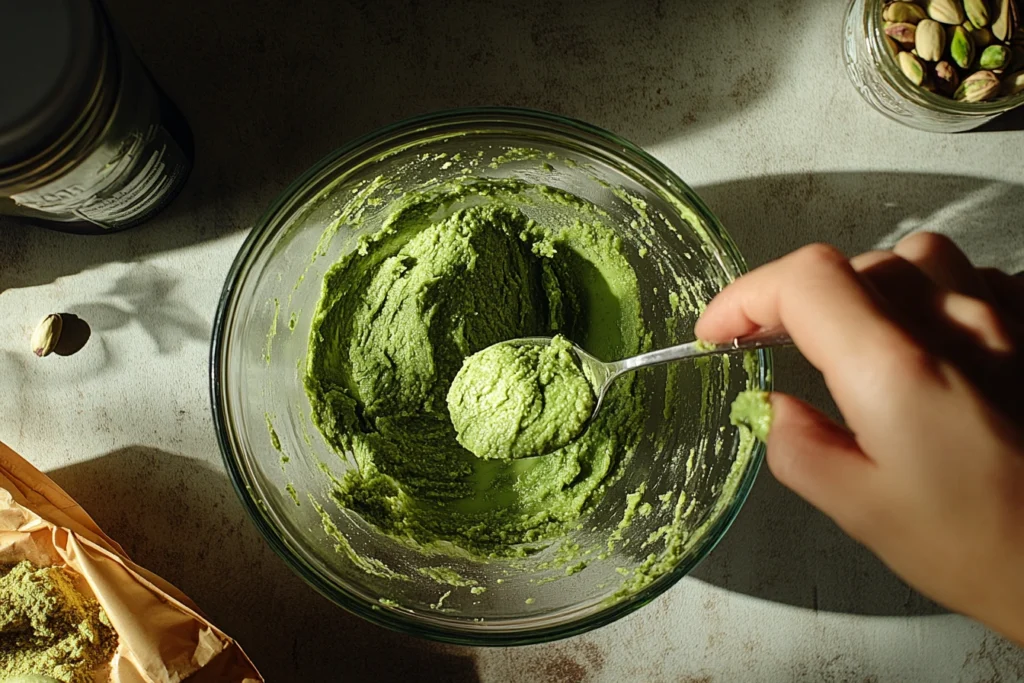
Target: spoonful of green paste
x=527, y=397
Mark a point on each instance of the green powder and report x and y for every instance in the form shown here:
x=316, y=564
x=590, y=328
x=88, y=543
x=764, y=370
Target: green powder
x=517, y=401
x=48, y=627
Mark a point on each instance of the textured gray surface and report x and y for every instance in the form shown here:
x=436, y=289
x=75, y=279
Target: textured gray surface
x=750, y=106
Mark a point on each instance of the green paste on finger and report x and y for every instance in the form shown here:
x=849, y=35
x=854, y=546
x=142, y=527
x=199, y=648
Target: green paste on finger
x=518, y=401
x=447, y=275
x=752, y=410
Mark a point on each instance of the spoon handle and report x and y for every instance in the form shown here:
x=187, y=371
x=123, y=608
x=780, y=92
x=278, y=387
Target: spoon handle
x=696, y=349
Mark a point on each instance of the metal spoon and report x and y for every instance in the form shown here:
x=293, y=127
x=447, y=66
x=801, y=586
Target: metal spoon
x=601, y=374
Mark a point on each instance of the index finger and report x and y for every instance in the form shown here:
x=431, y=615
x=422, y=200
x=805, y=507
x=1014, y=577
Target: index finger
x=815, y=295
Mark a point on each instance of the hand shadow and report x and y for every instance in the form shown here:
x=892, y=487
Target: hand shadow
x=181, y=519
x=780, y=548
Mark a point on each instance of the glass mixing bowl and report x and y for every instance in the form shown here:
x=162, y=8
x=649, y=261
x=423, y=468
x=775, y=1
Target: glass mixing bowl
x=676, y=496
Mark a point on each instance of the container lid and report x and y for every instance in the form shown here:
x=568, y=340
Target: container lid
x=49, y=55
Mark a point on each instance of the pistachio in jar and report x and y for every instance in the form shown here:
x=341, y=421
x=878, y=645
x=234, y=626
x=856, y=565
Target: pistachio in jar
x=967, y=50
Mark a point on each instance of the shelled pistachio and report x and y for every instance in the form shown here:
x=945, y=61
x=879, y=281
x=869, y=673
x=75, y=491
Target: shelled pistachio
x=978, y=87
x=994, y=57
x=946, y=78
x=982, y=37
x=961, y=48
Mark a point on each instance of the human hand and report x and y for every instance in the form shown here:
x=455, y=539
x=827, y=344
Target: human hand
x=924, y=356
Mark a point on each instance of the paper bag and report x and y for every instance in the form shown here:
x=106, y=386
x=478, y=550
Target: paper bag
x=162, y=636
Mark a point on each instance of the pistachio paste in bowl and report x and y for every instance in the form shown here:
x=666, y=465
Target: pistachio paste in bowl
x=349, y=313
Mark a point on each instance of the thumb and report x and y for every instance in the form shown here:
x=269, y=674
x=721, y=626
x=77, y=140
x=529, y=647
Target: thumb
x=820, y=461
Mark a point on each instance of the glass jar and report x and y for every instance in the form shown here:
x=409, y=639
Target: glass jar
x=878, y=79
x=88, y=144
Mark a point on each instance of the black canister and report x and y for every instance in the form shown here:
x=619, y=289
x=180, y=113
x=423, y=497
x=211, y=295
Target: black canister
x=88, y=143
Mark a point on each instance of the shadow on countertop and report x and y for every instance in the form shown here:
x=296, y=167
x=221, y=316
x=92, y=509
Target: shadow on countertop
x=268, y=88
x=780, y=548
x=181, y=519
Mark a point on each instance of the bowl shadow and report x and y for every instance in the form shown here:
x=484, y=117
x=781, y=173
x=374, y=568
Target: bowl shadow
x=780, y=548
x=181, y=519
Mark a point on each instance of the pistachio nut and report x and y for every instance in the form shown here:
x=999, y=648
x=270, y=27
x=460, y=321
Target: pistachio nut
x=906, y=12
x=978, y=87
x=902, y=33
x=994, y=57
x=1012, y=84
x=977, y=12
x=982, y=37
x=912, y=67
x=930, y=40
x=893, y=46
x=961, y=48
x=945, y=11
x=47, y=334
x=1005, y=19
x=946, y=78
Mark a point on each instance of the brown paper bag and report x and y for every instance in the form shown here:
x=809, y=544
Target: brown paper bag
x=162, y=637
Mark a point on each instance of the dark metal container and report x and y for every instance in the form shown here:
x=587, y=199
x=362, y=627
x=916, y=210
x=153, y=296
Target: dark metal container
x=88, y=143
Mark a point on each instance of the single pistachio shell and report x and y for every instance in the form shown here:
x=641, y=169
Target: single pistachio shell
x=904, y=34
x=961, y=48
x=978, y=87
x=47, y=334
x=1012, y=84
x=946, y=78
x=912, y=67
x=994, y=57
x=1005, y=19
x=977, y=12
x=930, y=40
x=907, y=12
x=945, y=11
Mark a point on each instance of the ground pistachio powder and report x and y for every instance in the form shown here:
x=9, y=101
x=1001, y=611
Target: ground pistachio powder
x=48, y=627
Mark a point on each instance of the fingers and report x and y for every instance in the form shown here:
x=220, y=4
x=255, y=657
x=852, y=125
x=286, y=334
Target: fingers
x=935, y=292
x=1007, y=291
x=979, y=321
x=938, y=257
x=819, y=460
x=899, y=287
x=815, y=295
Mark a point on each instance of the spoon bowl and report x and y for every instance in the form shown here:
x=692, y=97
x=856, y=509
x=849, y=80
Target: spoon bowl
x=601, y=375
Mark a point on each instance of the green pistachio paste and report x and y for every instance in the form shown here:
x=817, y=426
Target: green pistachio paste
x=448, y=275
x=517, y=401
x=752, y=410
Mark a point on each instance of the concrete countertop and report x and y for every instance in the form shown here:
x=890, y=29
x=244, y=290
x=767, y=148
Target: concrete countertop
x=747, y=102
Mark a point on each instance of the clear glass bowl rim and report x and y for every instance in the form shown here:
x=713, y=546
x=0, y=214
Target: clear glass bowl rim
x=281, y=209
